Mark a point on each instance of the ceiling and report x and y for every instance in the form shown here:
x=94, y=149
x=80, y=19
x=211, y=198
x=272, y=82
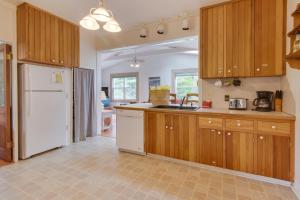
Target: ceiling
x=129, y=13
x=125, y=55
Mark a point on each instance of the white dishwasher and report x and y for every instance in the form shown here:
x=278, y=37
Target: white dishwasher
x=130, y=131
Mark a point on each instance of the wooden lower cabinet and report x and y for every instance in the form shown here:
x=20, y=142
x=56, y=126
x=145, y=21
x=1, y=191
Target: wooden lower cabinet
x=188, y=137
x=239, y=150
x=273, y=156
x=210, y=147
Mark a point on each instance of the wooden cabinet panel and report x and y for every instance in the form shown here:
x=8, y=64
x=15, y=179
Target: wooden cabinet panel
x=239, y=39
x=46, y=39
x=212, y=42
x=210, y=122
x=54, y=39
x=273, y=156
x=210, y=147
x=155, y=133
x=239, y=151
x=244, y=38
x=269, y=37
x=282, y=128
x=239, y=125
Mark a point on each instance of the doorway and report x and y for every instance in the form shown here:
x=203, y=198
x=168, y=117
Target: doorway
x=6, y=143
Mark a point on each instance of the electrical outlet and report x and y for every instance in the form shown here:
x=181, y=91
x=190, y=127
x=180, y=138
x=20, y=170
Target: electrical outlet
x=226, y=97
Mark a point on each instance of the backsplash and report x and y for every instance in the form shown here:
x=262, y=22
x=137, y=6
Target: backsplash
x=247, y=90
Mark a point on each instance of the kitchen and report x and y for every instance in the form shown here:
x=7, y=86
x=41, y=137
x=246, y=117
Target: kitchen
x=205, y=151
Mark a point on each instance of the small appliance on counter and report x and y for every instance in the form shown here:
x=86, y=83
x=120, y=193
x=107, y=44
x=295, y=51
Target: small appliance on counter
x=238, y=104
x=264, y=101
x=206, y=104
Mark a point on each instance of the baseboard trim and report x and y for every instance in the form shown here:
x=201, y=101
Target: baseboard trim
x=225, y=171
x=297, y=193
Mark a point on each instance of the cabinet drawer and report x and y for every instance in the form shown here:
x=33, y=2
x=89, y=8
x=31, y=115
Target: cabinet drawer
x=206, y=122
x=282, y=128
x=233, y=124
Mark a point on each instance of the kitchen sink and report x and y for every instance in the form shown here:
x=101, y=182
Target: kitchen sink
x=176, y=107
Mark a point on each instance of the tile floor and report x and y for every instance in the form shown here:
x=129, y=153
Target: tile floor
x=95, y=170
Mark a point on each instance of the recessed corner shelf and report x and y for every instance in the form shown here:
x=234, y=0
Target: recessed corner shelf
x=294, y=57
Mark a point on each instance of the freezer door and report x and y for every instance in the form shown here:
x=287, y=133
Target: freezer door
x=43, y=78
x=45, y=122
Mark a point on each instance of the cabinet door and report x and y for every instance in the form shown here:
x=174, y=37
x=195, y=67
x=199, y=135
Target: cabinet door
x=156, y=133
x=75, y=46
x=54, y=39
x=210, y=147
x=273, y=156
x=239, y=151
x=31, y=34
x=212, y=42
x=65, y=50
x=269, y=37
x=187, y=143
x=239, y=39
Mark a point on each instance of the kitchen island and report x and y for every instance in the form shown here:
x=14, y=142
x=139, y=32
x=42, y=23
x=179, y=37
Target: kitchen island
x=247, y=141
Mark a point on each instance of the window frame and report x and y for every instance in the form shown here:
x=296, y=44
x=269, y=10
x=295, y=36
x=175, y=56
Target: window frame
x=183, y=71
x=124, y=75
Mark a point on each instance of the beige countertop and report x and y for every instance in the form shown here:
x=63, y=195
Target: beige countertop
x=212, y=111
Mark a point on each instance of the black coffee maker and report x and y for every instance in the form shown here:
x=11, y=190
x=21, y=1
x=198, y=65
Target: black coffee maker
x=264, y=101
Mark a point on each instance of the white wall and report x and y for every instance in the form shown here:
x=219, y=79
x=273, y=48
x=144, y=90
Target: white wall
x=291, y=101
x=8, y=34
x=247, y=90
x=154, y=66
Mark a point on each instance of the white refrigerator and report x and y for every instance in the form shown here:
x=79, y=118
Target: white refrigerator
x=42, y=108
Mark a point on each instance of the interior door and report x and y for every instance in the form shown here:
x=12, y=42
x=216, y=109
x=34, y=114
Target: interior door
x=5, y=103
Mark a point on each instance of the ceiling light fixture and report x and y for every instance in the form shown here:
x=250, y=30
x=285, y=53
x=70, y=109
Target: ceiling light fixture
x=88, y=22
x=100, y=14
x=112, y=26
x=136, y=63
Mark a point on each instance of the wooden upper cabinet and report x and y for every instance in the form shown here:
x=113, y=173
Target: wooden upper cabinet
x=46, y=39
x=239, y=48
x=270, y=34
x=212, y=41
x=243, y=38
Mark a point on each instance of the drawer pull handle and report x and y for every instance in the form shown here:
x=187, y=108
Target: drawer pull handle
x=213, y=130
x=261, y=137
x=229, y=134
x=273, y=127
x=214, y=162
x=264, y=65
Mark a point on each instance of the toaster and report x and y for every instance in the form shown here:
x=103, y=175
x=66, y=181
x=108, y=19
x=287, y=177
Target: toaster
x=238, y=104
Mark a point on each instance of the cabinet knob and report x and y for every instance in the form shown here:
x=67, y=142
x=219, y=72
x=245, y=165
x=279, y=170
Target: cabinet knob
x=258, y=69
x=274, y=127
x=210, y=122
x=238, y=124
x=229, y=71
x=229, y=134
x=167, y=127
x=219, y=132
x=53, y=60
x=261, y=137
x=61, y=62
x=214, y=162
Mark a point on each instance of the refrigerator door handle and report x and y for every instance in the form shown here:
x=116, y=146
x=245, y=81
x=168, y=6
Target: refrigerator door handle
x=29, y=93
